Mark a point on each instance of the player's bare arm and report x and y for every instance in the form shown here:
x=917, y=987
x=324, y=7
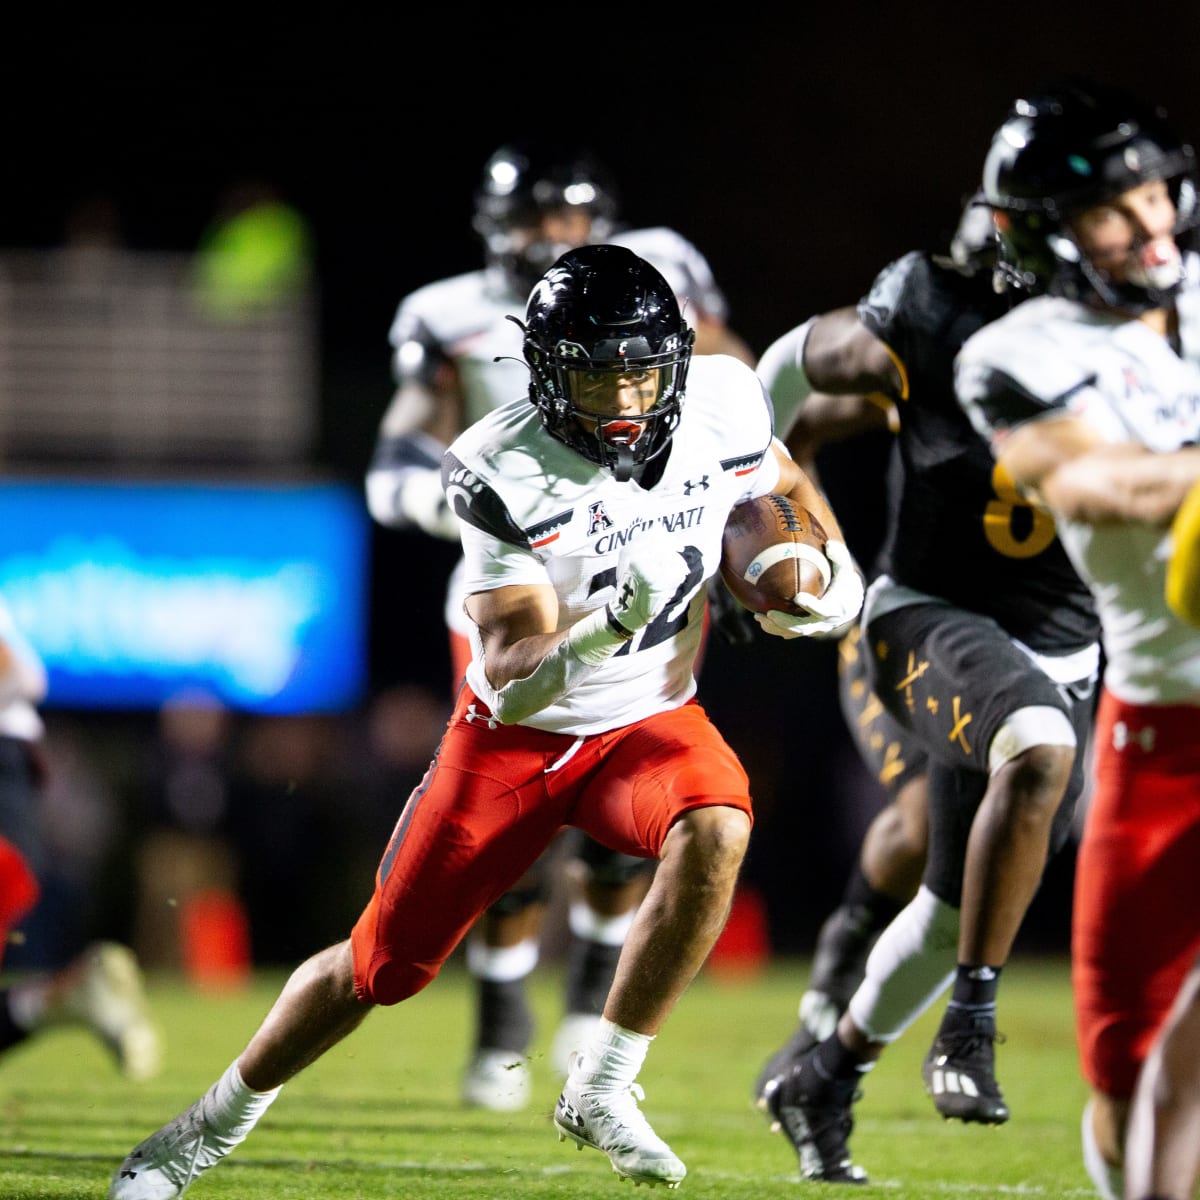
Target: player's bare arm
x=842, y=356
x=798, y=485
x=1062, y=464
x=517, y=626
x=1123, y=483
x=830, y=379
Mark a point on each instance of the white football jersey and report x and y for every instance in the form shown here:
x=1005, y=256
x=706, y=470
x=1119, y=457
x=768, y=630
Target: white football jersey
x=467, y=318
x=1049, y=357
x=534, y=511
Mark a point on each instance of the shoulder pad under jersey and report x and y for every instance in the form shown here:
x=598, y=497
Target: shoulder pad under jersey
x=476, y=503
x=1003, y=381
x=879, y=307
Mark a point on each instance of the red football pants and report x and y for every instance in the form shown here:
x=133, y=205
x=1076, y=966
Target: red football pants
x=1136, y=916
x=492, y=800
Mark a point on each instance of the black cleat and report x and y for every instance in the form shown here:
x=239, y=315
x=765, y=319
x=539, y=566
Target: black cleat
x=960, y=1071
x=839, y=963
x=814, y=1114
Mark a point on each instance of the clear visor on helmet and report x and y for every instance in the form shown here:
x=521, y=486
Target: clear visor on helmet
x=616, y=402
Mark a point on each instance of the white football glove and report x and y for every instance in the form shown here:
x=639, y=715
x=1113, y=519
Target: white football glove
x=649, y=574
x=832, y=612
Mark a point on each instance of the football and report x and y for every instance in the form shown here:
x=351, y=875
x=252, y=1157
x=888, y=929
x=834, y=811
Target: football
x=771, y=549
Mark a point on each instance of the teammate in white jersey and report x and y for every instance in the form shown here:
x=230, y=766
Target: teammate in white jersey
x=456, y=357
x=592, y=516
x=1090, y=396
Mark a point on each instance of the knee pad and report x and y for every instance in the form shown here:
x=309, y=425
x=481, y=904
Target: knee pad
x=1038, y=725
x=392, y=982
x=911, y=964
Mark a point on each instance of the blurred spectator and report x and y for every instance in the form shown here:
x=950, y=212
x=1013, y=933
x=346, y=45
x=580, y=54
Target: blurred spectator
x=256, y=253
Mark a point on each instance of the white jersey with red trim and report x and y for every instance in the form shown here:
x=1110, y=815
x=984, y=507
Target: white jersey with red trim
x=1051, y=357
x=534, y=511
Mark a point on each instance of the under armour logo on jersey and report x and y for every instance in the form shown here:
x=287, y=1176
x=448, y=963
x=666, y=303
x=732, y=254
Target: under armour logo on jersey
x=598, y=519
x=473, y=714
x=1123, y=737
x=688, y=485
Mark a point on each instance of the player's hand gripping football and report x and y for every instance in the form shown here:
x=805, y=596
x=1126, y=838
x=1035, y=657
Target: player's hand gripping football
x=831, y=612
x=649, y=574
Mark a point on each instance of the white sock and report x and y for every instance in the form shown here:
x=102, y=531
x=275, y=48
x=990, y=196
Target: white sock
x=584, y=922
x=501, y=964
x=231, y=1109
x=612, y=1058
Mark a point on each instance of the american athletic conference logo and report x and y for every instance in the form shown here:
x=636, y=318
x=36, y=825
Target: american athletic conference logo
x=598, y=519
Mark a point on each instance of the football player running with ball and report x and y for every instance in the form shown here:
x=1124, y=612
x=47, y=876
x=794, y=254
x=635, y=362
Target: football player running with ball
x=592, y=515
x=1090, y=396
x=457, y=356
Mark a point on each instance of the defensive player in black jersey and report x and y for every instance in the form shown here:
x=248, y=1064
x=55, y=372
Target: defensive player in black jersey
x=980, y=642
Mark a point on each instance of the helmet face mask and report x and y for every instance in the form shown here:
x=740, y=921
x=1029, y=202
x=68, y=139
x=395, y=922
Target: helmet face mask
x=973, y=246
x=601, y=319
x=523, y=184
x=1065, y=150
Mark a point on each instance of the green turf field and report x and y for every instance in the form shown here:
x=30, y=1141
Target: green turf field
x=379, y=1117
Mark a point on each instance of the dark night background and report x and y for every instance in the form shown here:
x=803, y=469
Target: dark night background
x=800, y=149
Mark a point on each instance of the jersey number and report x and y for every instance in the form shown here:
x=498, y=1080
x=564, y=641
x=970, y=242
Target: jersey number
x=664, y=626
x=1012, y=526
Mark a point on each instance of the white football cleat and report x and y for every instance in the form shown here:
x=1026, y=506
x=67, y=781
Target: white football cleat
x=612, y=1123
x=572, y=1034
x=167, y=1162
x=498, y=1080
x=107, y=996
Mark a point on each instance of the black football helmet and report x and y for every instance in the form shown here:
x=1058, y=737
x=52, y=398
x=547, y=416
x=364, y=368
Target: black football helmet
x=1066, y=148
x=604, y=309
x=521, y=181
